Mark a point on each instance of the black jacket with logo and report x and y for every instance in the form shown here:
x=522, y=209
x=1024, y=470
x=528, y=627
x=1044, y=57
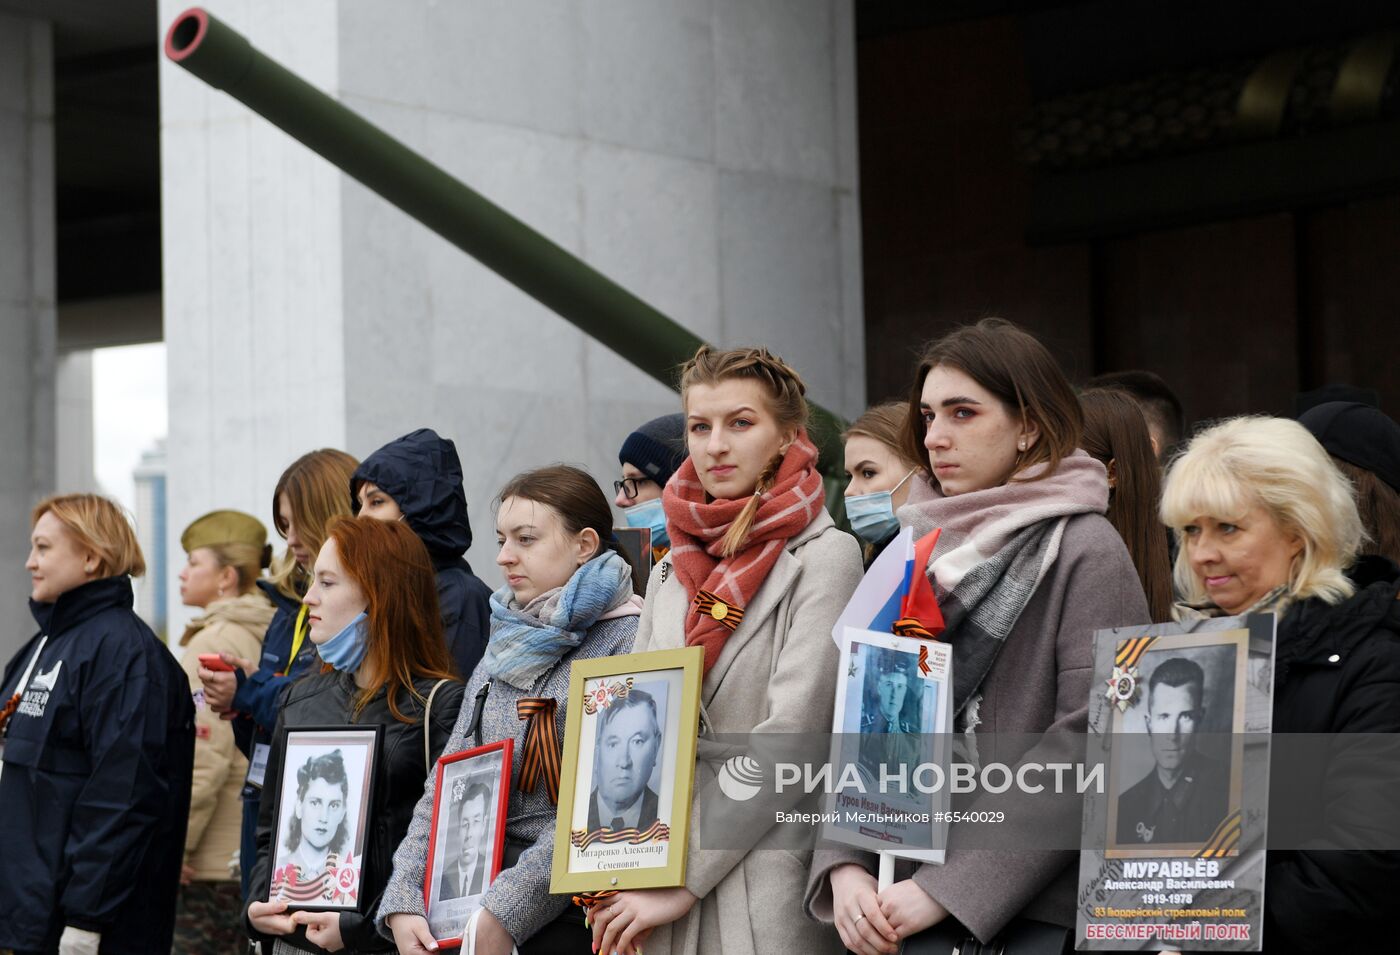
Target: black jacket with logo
x=422, y=473
x=95, y=789
x=328, y=699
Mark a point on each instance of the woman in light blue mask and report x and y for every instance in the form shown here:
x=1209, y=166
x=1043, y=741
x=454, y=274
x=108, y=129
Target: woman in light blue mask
x=649, y=457
x=373, y=614
x=879, y=475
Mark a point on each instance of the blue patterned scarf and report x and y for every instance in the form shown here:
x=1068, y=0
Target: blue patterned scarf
x=526, y=641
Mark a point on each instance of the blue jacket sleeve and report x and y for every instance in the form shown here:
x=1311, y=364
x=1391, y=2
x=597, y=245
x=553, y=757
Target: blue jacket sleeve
x=258, y=695
x=126, y=721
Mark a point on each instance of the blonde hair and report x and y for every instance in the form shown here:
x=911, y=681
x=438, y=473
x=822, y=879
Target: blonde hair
x=102, y=527
x=1278, y=465
x=317, y=486
x=885, y=423
x=248, y=560
x=787, y=403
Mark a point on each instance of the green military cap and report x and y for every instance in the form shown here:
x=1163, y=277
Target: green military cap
x=223, y=527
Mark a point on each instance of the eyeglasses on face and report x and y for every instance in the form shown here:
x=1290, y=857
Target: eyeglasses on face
x=629, y=486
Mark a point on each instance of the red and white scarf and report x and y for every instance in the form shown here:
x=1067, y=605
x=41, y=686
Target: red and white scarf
x=697, y=527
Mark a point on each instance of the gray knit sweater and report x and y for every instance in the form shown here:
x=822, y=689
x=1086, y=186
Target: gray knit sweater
x=519, y=898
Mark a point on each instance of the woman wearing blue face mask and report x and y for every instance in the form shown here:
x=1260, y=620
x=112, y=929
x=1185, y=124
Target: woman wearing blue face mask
x=649, y=457
x=879, y=475
x=373, y=614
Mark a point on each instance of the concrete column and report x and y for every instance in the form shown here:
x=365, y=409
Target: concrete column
x=74, y=465
x=27, y=316
x=700, y=152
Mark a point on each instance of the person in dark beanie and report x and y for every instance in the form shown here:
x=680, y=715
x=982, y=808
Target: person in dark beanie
x=418, y=479
x=649, y=457
x=1365, y=443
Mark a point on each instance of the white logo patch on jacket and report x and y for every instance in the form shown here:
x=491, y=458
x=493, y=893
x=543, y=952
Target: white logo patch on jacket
x=36, y=694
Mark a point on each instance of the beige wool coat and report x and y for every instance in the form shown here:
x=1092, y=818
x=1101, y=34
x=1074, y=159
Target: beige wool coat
x=776, y=674
x=236, y=625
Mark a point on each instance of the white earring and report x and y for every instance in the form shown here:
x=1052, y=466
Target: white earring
x=1021, y=445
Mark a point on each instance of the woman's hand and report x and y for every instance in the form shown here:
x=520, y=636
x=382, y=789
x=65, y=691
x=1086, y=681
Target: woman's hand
x=322, y=928
x=491, y=936
x=860, y=922
x=909, y=908
x=220, y=685
x=271, y=918
x=411, y=935
x=623, y=923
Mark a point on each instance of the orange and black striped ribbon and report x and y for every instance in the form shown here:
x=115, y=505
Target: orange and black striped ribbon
x=541, y=745
x=1130, y=651
x=588, y=901
x=911, y=627
x=1224, y=839
x=727, y=615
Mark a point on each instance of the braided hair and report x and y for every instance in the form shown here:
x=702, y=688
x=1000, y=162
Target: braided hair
x=787, y=403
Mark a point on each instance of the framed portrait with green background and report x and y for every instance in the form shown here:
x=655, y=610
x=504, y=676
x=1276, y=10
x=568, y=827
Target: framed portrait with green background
x=628, y=768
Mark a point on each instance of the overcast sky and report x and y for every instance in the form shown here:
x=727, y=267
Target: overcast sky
x=129, y=413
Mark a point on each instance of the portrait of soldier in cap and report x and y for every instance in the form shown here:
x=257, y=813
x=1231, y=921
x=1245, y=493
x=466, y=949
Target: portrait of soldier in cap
x=889, y=722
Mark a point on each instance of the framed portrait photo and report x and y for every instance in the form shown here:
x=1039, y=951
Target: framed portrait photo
x=467, y=836
x=324, y=793
x=628, y=769
x=894, y=709
x=1180, y=735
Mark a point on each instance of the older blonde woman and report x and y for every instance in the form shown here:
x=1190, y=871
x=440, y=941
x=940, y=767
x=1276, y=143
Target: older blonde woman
x=1268, y=522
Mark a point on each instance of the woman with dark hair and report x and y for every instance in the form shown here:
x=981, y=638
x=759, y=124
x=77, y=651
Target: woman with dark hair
x=568, y=597
x=878, y=473
x=756, y=577
x=1115, y=435
x=417, y=479
x=1025, y=570
x=308, y=496
x=373, y=616
x=97, y=738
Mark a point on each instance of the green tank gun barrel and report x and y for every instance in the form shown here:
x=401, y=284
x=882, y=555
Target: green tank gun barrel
x=223, y=58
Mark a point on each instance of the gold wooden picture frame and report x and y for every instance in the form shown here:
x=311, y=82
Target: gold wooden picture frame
x=628, y=771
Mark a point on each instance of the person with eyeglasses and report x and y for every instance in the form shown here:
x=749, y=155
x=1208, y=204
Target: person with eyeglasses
x=649, y=457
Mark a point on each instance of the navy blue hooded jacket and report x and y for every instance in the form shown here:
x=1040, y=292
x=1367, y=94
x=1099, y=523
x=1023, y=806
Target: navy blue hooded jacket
x=95, y=790
x=423, y=475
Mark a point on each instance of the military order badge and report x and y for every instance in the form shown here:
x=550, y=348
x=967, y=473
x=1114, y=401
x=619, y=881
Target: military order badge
x=1174, y=844
x=324, y=795
x=629, y=764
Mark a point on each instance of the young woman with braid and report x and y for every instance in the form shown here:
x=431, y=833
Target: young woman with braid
x=568, y=596
x=748, y=529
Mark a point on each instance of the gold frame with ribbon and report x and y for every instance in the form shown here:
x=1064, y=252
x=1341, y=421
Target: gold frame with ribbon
x=594, y=685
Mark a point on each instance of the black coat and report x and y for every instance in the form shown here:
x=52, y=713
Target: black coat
x=95, y=791
x=423, y=475
x=1337, y=670
x=327, y=699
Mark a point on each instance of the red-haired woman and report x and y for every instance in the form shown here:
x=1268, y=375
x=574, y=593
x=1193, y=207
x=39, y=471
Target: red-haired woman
x=372, y=608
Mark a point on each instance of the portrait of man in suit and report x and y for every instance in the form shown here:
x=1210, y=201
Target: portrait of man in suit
x=1185, y=795
x=629, y=742
x=464, y=872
